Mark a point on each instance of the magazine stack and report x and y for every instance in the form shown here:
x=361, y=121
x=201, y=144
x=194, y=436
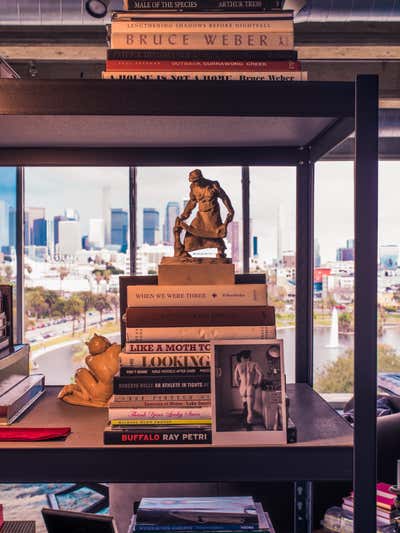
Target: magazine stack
x=228, y=514
x=162, y=393
x=203, y=40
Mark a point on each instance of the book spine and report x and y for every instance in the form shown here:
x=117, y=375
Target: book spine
x=162, y=436
x=160, y=398
x=165, y=360
x=196, y=527
x=196, y=295
x=144, y=373
x=180, y=348
x=163, y=422
x=192, y=316
x=150, y=404
x=202, y=55
x=198, y=333
x=203, y=41
x=166, y=386
x=202, y=5
x=194, y=25
x=206, y=76
x=121, y=65
x=158, y=415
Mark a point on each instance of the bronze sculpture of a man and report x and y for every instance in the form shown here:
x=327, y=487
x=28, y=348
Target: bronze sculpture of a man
x=206, y=229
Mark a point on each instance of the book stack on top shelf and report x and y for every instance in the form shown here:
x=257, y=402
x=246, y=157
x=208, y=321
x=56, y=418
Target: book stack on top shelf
x=228, y=514
x=162, y=394
x=205, y=40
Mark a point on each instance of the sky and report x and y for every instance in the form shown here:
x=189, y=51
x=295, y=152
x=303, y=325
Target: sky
x=271, y=188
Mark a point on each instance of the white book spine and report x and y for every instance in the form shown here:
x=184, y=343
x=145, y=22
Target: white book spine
x=147, y=398
x=170, y=347
x=207, y=76
x=205, y=25
x=159, y=414
x=200, y=333
x=202, y=41
x=196, y=295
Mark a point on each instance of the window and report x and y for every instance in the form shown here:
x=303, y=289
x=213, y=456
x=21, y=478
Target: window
x=334, y=277
x=162, y=195
x=76, y=245
x=273, y=246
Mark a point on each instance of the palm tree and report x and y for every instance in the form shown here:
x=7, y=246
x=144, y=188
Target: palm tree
x=63, y=273
x=113, y=299
x=101, y=304
x=88, y=302
x=74, y=308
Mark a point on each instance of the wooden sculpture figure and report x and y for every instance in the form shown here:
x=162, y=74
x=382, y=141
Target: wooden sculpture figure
x=93, y=385
x=206, y=229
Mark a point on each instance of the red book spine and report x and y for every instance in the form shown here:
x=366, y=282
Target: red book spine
x=132, y=65
x=147, y=317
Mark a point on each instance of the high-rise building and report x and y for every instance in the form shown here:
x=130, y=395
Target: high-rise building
x=255, y=246
x=32, y=214
x=106, y=213
x=350, y=243
x=345, y=254
x=96, y=233
x=4, y=223
x=151, y=218
x=233, y=238
x=69, y=237
x=119, y=228
x=317, y=254
x=171, y=212
x=71, y=214
x=389, y=256
x=39, y=232
x=85, y=242
x=57, y=219
x=12, y=226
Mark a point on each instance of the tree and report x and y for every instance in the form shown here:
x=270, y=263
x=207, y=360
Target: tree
x=346, y=322
x=338, y=375
x=35, y=302
x=63, y=273
x=113, y=299
x=101, y=304
x=87, y=302
x=74, y=308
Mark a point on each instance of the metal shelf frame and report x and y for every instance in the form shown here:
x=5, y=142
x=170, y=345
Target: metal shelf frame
x=348, y=106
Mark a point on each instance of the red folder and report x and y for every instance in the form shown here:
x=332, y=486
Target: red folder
x=33, y=434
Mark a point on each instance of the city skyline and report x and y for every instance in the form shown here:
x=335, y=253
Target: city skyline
x=269, y=188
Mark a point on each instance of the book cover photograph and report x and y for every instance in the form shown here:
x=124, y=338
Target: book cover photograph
x=248, y=392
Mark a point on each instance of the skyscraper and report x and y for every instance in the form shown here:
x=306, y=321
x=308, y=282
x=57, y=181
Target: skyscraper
x=96, y=233
x=171, y=212
x=119, y=228
x=12, y=226
x=39, y=232
x=106, y=213
x=57, y=219
x=32, y=214
x=389, y=256
x=151, y=218
x=69, y=237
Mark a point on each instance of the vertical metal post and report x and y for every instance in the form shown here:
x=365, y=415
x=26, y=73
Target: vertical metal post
x=304, y=269
x=132, y=219
x=303, y=507
x=246, y=218
x=365, y=302
x=19, y=249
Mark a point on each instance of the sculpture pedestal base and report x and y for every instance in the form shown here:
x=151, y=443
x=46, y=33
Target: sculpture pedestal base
x=198, y=271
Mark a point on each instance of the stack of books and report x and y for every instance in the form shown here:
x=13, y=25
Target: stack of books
x=387, y=511
x=204, y=40
x=228, y=514
x=162, y=394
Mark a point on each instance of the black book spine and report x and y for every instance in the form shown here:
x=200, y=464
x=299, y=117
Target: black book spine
x=161, y=437
x=203, y=55
x=166, y=385
x=203, y=5
x=176, y=372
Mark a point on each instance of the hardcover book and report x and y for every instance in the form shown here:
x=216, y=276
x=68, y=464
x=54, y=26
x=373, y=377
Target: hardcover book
x=166, y=385
x=176, y=372
x=191, y=514
x=137, y=317
x=206, y=76
x=196, y=295
x=121, y=413
x=158, y=436
x=165, y=360
x=202, y=5
x=159, y=400
x=199, y=333
x=121, y=65
x=169, y=347
x=202, y=55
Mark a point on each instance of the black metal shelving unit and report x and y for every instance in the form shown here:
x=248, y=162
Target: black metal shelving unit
x=112, y=123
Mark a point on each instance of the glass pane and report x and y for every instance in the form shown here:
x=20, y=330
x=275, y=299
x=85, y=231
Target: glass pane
x=273, y=247
x=162, y=196
x=388, y=271
x=334, y=277
x=76, y=235
x=8, y=227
